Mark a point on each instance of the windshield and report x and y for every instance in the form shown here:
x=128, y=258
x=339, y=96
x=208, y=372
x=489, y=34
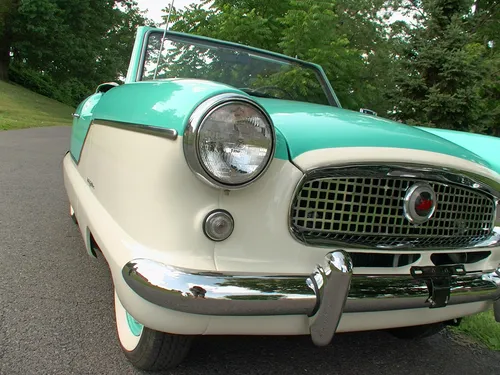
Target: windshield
x=256, y=73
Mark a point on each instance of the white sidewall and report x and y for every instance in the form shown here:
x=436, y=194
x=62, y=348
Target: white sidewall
x=127, y=339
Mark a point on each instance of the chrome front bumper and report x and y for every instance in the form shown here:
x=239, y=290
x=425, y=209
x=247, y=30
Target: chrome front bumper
x=329, y=291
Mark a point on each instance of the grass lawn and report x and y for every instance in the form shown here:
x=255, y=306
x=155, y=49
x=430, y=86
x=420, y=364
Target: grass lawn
x=22, y=108
x=481, y=327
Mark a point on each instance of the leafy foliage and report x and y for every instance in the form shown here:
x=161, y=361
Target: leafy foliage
x=66, y=47
x=443, y=70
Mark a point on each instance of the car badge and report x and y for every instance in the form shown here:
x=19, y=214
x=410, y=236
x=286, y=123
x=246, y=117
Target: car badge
x=419, y=203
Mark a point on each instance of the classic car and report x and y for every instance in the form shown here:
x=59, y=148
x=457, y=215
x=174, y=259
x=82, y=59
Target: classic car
x=231, y=194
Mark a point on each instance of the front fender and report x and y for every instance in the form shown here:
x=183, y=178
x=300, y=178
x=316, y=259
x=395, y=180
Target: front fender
x=82, y=118
x=164, y=104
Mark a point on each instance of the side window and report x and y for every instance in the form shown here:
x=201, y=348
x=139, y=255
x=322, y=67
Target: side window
x=151, y=57
x=178, y=59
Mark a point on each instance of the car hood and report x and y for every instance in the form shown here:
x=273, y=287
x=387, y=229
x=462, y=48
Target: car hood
x=307, y=127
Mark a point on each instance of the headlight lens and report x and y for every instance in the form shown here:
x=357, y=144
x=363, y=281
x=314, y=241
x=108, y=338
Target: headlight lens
x=233, y=142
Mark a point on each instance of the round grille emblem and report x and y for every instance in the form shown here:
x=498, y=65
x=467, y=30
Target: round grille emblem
x=419, y=203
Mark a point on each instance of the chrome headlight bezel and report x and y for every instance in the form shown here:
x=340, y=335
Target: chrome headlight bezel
x=194, y=125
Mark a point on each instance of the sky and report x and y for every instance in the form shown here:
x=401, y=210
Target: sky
x=155, y=7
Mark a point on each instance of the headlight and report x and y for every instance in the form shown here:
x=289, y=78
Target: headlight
x=229, y=141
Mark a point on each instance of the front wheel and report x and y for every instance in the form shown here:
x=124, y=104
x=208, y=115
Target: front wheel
x=148, y=349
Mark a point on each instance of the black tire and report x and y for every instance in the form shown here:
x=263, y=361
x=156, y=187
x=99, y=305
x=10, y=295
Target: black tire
x=146, y=348
x=158, y=351
x=417, y=332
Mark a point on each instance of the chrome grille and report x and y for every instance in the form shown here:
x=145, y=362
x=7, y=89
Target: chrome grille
x=367, y=211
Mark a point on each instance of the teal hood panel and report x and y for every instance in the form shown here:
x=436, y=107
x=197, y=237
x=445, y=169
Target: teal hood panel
x=308, y=127
x=162, y=103
x=486, y=146
x=165, y=104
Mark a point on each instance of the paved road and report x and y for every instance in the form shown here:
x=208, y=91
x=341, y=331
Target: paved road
x=56, y=310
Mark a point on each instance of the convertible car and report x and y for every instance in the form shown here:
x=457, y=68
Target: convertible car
x=231, y=194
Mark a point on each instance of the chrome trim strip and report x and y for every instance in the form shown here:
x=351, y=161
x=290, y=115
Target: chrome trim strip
x=403, y=170
x=320, y=294
x=191, y=138
x=139, y=128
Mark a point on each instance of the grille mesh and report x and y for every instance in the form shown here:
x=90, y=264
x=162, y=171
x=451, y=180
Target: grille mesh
x=368, y=211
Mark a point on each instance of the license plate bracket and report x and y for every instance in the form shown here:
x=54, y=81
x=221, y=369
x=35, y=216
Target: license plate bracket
x=438, y=281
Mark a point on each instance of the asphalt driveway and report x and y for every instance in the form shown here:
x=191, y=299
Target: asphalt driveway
x=56, y=303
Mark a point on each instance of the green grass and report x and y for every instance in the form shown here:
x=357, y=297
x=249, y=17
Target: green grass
x=482, y=328
x=22, y=108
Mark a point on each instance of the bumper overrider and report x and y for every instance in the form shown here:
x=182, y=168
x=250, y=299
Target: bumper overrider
x=324, y=295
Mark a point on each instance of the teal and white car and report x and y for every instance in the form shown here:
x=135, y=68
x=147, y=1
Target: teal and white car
x=231, y=194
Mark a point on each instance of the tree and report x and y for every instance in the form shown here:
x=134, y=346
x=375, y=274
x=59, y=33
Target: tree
x=485, y=28
x=8, y=11
x=64, y=48
x=443, y=68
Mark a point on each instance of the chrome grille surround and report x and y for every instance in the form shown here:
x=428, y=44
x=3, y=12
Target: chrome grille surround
x=361, y=206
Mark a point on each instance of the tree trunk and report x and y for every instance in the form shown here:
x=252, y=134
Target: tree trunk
x=4, y=60
x=7, y=12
